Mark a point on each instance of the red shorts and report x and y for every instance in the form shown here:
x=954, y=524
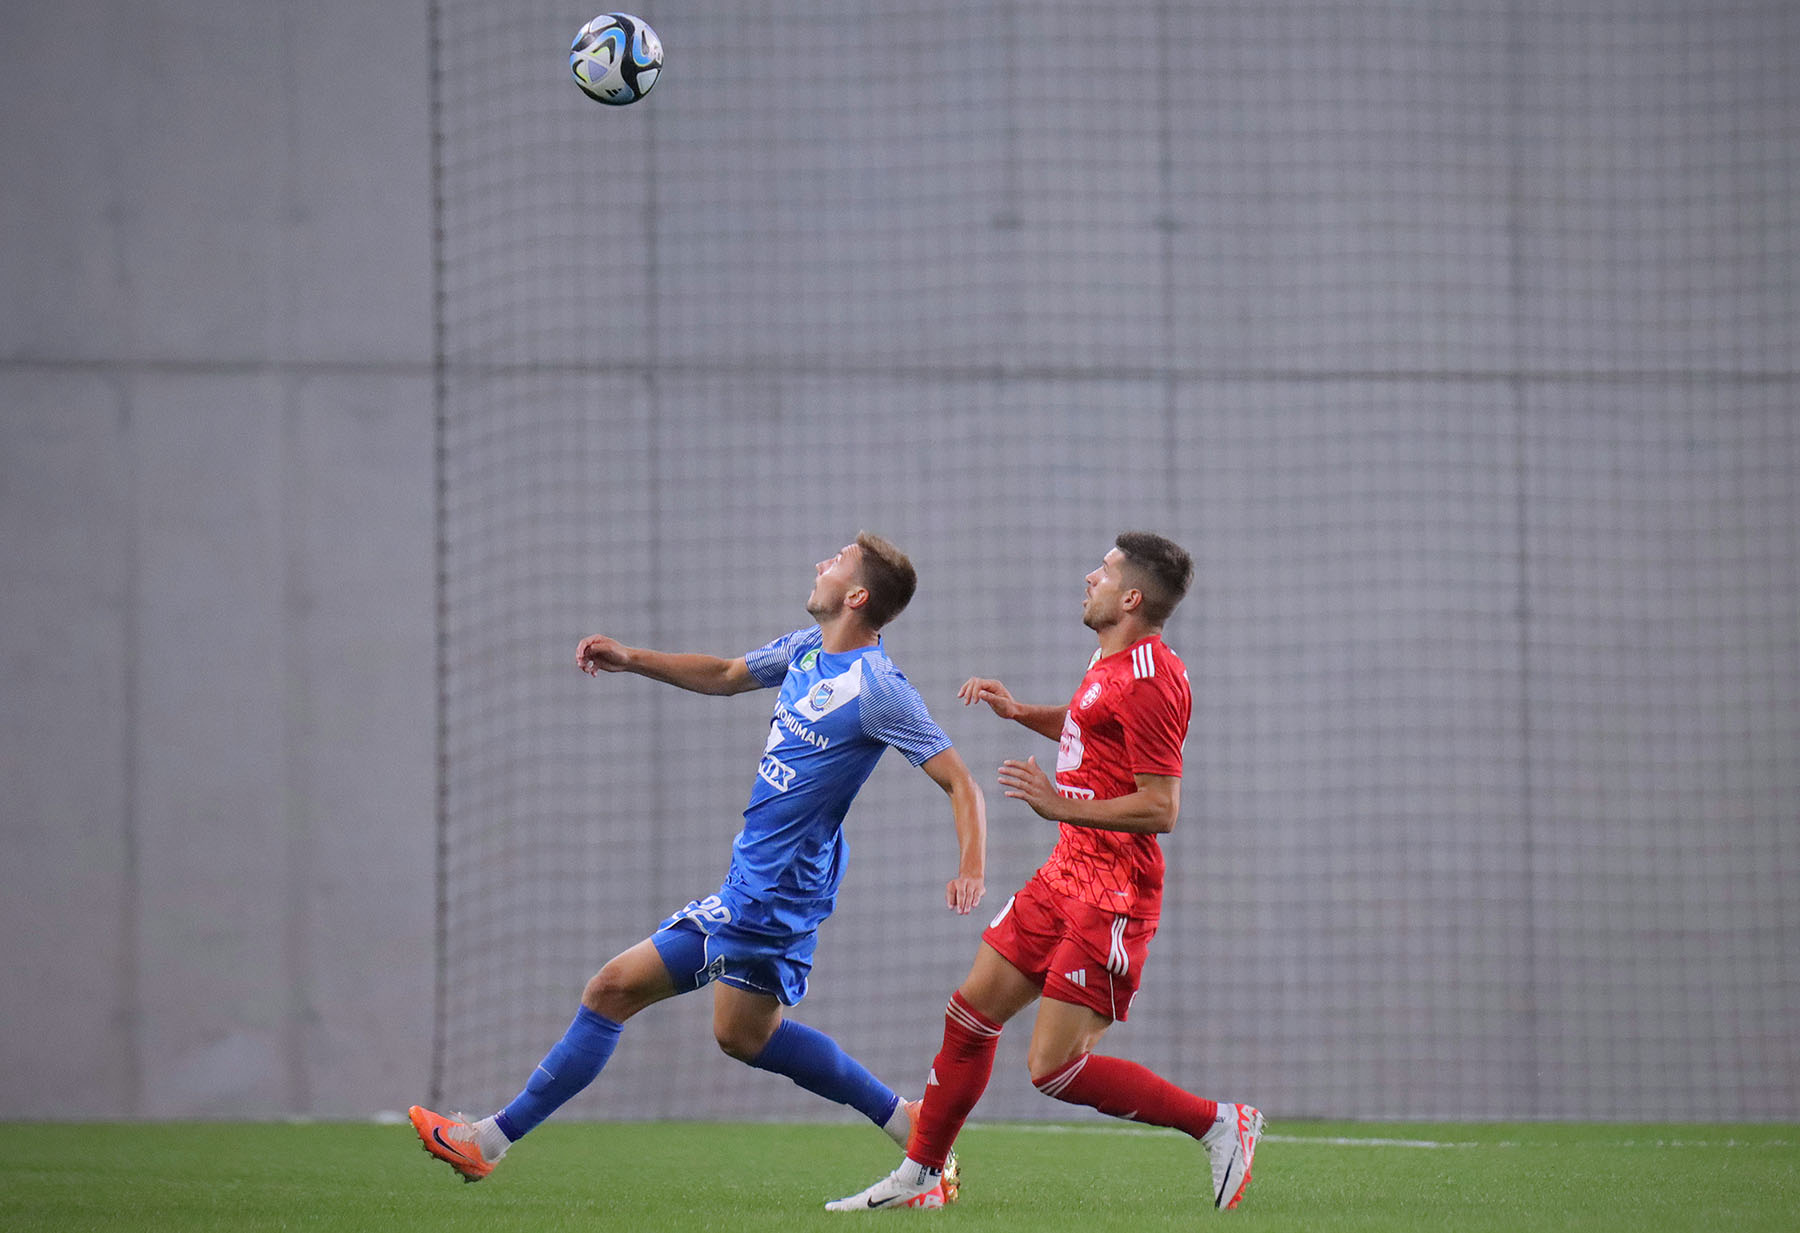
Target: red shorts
x=1072, y=950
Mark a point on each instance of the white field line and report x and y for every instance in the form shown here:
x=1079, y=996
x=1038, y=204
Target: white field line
x=1346, y=1141
x=1156, y=1131
x=1338, y=1141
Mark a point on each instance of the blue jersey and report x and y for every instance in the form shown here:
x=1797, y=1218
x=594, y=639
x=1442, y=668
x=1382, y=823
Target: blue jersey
x=835, y=715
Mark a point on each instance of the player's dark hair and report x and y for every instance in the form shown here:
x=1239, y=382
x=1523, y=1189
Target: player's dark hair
x=1161, y=569
x=889, y=578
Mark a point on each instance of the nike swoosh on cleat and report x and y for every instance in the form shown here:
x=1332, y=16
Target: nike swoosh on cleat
x=873, y=1202
x=439, y=1136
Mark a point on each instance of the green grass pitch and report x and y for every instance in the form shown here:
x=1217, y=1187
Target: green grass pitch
x=688, y=1177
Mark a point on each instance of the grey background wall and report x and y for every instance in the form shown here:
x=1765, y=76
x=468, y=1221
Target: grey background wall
x=217, y=611
x=1459, y=343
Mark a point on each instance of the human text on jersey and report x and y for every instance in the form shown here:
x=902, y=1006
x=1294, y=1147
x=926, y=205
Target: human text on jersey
x=792, y=722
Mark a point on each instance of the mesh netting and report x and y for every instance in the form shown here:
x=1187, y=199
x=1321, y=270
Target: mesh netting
x=1457, y=342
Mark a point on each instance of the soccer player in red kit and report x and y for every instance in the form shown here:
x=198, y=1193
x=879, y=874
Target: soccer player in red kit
x=1077, y=933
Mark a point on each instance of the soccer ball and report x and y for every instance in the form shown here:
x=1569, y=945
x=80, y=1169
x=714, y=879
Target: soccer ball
x=616, y=58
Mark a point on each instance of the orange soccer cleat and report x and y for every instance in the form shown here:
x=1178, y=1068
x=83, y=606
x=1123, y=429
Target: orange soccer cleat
x=451, y=1140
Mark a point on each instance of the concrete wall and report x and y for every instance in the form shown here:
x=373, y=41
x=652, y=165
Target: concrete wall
x=217, y=510
x=1463, y=340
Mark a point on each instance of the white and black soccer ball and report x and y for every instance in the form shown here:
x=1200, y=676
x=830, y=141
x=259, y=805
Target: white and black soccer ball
x=616, y=58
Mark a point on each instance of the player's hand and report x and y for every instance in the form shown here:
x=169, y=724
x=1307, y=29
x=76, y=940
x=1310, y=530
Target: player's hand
x=981, y=689
x=961, y=894
x=1026, y=781
x=599, y=654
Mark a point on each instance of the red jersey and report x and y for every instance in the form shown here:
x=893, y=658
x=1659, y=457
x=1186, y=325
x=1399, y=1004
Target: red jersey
x=1129, y=717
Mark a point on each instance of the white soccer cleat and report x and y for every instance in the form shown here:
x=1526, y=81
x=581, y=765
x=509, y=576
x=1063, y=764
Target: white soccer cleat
x=952, y=1166
x=1231, y=1146
x=898, y=1189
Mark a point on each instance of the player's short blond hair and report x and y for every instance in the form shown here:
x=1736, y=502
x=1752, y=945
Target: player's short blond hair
x=888, y=577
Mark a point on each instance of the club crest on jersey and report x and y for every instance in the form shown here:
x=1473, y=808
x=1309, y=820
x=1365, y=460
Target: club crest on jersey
x=1091, y=696
x=832, y=694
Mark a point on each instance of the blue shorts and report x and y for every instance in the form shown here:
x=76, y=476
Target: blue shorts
x=701, y=944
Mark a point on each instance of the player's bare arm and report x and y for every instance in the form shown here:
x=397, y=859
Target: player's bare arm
x=701, y=674
x=1044, y=720
x=969, y=810
x=1150, y=810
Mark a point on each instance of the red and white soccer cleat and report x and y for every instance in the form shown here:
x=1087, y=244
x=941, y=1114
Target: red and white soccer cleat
x=952, y=1183
x=901, y=1188
x=1231, y=1146
x=451, y=1140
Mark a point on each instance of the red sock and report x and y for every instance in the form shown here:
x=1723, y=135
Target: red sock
x=1125, y=1089
x=959, y=1075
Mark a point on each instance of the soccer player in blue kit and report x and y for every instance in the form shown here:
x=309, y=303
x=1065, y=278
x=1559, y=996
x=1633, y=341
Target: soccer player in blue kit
x=842, y=702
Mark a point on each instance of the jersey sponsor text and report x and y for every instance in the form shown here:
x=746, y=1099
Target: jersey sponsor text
x=776, y=773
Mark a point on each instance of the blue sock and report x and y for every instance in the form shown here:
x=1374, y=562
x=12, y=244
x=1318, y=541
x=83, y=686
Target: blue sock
x=814, y=1061
x=570, y=1066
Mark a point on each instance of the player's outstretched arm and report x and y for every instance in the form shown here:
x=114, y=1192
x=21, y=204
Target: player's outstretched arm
x=1150, y=810
x=702, y=674
x=969, y=811
x=1044, y=720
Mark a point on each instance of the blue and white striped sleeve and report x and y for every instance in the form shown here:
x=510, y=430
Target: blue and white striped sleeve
x=769, y=663
x=894, y=714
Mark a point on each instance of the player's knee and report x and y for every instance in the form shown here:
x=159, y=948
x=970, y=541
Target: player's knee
x=1046, y=1065
x=739, y=1042
x=611, y=993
